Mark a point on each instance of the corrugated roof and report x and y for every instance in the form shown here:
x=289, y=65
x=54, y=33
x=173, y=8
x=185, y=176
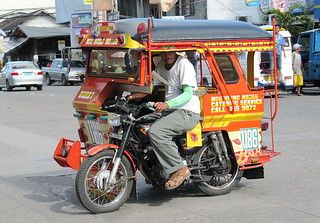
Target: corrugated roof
x=10, y=44
x=13, y=19
x=43, y=32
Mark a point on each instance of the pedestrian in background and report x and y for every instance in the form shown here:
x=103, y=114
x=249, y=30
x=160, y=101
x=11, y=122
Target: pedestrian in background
x=297, y=71
x=280, y=42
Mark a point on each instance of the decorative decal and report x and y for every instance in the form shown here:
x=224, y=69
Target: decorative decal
x=98, y=41
x=242, y=103
x=89, y=41
x=237, y=141
x=86, y=95
x=194, y=136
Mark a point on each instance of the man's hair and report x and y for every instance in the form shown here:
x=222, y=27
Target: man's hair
x=278, y=26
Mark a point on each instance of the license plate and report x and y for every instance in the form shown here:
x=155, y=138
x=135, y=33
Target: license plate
x=28, y=73
x=250, y=138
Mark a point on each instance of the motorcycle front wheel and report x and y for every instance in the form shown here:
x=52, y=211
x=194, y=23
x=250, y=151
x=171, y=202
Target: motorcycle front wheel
x=92, y=185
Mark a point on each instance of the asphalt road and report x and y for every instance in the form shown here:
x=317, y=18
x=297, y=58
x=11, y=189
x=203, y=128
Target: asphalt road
x=33, y=188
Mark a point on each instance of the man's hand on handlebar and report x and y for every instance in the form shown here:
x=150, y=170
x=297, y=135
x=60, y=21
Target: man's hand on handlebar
x=161, y=106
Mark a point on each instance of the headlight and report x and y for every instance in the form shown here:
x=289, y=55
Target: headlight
x=114, y=119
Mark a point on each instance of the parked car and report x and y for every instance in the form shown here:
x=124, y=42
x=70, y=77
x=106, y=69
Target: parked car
x=64, y=71
x=21, y=74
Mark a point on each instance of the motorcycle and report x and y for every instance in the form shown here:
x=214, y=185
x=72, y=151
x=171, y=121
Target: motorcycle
x=104, y=181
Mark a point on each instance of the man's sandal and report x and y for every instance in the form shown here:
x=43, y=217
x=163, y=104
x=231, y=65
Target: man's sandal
x=177, y=178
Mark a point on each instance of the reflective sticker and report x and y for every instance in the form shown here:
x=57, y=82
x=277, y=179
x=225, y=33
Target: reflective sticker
x=86, y=95
x=249, y=138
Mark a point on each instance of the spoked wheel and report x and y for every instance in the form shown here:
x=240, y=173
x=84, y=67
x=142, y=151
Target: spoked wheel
x=218, y=179
x=93, y=188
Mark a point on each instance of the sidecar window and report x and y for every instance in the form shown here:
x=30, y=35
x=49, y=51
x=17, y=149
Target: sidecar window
x=111, y=63
x=227, y=69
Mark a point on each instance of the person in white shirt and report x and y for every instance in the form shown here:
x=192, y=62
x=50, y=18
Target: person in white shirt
x=181, y=110
x=181, y=75
x=296, y=65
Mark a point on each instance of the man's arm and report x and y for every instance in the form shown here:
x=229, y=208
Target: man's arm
x=180, y=100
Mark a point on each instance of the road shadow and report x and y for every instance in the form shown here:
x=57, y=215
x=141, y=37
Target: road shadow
x=157, y=196
x=55, y=190
x=59, y=192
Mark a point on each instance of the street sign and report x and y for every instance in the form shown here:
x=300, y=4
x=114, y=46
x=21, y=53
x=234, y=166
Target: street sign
x=61, y=44
x=112, y=16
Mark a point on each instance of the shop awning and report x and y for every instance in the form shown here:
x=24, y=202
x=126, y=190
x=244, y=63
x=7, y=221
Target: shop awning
x=43, y=32
x=9, y=45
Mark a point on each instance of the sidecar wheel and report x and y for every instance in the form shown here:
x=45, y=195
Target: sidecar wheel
x=111, y=199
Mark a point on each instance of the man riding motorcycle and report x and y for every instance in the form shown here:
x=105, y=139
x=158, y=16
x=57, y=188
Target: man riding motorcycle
x=182, y=112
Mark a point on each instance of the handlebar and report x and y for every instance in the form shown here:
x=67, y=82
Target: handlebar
x=150, y=105
x=123, y=106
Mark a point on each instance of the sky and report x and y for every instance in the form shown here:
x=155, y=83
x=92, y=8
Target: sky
x=21, y=4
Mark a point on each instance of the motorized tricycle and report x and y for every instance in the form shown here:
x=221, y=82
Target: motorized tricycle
x=223, y=147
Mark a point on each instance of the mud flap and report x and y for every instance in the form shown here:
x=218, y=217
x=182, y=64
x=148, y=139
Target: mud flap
x=133, y=194
x=256, y=173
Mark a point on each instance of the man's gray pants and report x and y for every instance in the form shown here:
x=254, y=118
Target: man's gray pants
x=161, y=134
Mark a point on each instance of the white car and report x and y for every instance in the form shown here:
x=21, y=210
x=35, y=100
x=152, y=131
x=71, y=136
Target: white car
x=21, y=74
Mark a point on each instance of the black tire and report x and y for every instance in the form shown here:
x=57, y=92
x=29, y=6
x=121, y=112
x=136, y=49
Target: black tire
x=232, y=178
x=48, y=79
x=39, y=87
x=0, y=88
x=64, y=81
x=28, y=88
x=88, y=198
x=9, y=88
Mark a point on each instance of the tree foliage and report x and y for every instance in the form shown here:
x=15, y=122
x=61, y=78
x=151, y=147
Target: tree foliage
x=294, y=23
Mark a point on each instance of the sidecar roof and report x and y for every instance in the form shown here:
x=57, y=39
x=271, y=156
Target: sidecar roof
x=180, y=30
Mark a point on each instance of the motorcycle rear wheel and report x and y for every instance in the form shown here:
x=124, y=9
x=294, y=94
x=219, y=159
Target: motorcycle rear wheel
x=218, y=185
x=96, y=200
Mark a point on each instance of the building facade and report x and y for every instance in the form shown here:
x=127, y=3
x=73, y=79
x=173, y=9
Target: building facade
x=31, y=36
x=229, y=9
x=79, y=15
x=233, y=10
